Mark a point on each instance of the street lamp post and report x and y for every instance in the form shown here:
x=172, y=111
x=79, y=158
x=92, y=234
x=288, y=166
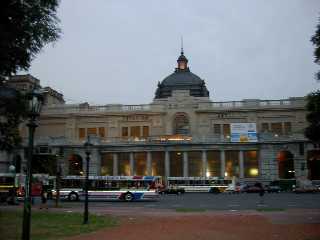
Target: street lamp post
x=87, y=146
x=35, y=100
x=12, y=169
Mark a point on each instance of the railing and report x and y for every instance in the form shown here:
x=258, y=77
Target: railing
x=215, y=139
x=85, y=108
x=245, y=104
x=254, y=103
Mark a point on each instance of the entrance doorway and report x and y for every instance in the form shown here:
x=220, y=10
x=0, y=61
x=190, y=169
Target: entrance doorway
x=285, y=165
x=314, y=164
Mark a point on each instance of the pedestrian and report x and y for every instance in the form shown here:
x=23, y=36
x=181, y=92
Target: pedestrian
x=44, y=196
x=261, y=194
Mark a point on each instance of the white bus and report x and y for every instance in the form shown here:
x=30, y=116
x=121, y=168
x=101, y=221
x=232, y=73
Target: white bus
x=199, y=184
x=126, y=188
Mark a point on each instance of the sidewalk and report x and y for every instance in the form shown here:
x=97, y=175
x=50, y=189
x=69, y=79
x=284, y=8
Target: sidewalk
x=166, y=224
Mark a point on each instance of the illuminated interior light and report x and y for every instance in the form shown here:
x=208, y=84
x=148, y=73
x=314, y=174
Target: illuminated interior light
x=225, y=174
x=254, y=172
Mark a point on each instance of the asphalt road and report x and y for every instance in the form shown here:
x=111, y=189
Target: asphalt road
x=246, y=201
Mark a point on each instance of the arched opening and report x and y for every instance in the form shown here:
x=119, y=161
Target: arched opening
x=44, y=163
x=314, y=164
x=285, y=165
x=75, y=165
x=181, y=124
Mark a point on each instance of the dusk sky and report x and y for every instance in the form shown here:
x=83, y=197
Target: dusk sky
x=117, y=51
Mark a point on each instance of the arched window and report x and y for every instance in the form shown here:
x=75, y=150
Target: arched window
x=313, y=164
x=285, y=165
x=75, y=165
x=181, y=124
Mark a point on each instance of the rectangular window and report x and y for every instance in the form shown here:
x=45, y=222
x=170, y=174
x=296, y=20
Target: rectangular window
x=226, y=130
x=265, y=127
x=102, y=132
x=140, y=163
x=217, y=129
x=251, y=164
x=158, y=163
x=287, y=128
x=106, y=164
x=213, y=164
x=135, y=131
x=145, y=132
x=82, y=133
x=91, y=131
x=124, y=132
x=195, y=164
x=276, y=128
x=232, y=163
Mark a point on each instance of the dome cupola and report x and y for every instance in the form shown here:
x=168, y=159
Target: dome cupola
x=182, y=79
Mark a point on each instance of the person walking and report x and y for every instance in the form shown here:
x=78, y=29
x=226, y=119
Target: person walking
x=261, y=194
x=44, y=197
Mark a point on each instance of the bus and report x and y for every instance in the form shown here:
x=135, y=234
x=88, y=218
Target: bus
x=7, y=187
x=125, y=188
x=39, y=181
x=199, y=184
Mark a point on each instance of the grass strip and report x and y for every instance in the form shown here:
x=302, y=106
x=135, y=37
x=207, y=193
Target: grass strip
x=46, y=225
x=186, y=210
x=270, y=209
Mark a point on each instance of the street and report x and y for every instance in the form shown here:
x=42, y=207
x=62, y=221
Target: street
x=207, y=201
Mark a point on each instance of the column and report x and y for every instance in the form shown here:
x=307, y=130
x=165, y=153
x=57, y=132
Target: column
x=185, y=164
x=167, y=164
x=149, y=164
x=94, y=162
x=131, y=164
x=223, y=163
x=241, y=164
x=115, y=164
x=204, y=163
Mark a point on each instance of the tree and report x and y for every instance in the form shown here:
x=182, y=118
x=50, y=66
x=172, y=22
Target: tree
x=312, y=132
x=26, y=26
x=315, y=39
x=12, y=111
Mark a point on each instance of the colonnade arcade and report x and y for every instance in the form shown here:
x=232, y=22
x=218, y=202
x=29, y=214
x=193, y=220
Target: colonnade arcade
x=198, y=163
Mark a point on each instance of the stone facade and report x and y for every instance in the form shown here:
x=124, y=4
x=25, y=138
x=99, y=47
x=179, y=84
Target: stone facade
x=179, y=135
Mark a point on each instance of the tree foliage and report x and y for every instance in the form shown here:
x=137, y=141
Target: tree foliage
x=315, y=39
x=12, y=111
x=312, y=132
x=26, y=26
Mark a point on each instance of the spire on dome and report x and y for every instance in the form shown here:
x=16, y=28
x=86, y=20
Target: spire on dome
x=182, y=60
x=181, y=45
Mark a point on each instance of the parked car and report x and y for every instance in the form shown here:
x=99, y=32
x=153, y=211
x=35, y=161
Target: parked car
x=256, y=188
x=306, y=189
x=273, y=187
x=172, y=190
x=214, y=190
x=236, y=188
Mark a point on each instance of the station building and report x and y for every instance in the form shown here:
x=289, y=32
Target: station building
x=181, y=133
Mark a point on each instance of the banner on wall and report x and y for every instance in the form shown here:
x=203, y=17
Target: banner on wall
x=243, y=132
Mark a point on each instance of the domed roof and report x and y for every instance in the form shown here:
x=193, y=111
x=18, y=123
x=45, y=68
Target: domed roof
x=182, y=79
